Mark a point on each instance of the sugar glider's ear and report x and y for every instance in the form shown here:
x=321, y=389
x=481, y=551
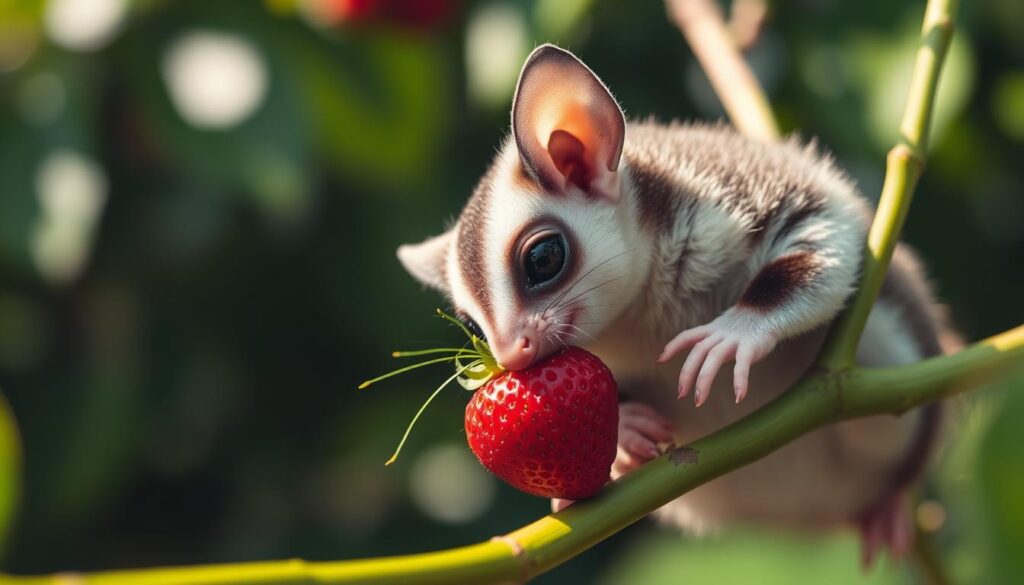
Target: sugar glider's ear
x=426, y=261
x=568, y=127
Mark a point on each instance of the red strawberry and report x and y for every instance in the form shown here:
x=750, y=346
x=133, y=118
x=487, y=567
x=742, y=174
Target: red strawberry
x=549, y=430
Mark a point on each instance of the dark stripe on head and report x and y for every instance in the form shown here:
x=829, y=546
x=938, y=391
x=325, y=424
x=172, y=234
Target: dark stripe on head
x=657, y=203
x=472, y=245
x=777, y=282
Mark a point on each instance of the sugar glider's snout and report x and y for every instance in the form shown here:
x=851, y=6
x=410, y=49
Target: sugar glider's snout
x=519, y=353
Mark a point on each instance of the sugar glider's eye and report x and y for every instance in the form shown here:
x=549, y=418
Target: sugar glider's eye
x=474, y=328
x=545, y=258
x=470, y=324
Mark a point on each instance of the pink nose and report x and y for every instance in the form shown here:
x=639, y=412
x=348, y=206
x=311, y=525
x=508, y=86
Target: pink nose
x=519, y=355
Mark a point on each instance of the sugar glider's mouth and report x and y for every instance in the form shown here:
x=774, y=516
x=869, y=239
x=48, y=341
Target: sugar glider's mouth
x=536, y=341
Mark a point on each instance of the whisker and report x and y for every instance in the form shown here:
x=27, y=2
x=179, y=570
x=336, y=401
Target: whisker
x=584, y=275
x=591, y=289
x=606, y=233
x=581, y=330
x=563, y=311
x=603, y=305
x=559, y=336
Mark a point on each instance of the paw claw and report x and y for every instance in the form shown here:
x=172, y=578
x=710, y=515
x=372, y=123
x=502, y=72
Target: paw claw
x=641, y=429
x=725, y=339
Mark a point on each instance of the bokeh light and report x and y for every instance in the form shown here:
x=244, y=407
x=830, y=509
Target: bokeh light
x=72, y=190
x=496, y=44
x=449, y=485
x=216, y=80
x=84, y=25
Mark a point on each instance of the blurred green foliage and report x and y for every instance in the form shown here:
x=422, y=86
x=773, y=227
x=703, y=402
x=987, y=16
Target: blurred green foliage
x=188, y=298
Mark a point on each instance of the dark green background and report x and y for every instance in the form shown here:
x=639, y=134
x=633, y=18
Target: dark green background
x=190, y=396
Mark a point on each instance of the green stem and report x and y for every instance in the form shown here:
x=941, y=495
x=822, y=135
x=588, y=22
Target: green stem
x=418, y=352
x=419, y=413
x=450, y=358
x=904, y=166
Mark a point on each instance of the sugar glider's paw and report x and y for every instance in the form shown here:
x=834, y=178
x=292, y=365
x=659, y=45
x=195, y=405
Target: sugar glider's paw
x=641, y=429
x=734, y=335
x=888, y=526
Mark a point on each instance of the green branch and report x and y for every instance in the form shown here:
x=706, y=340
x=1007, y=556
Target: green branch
x=830, y=394
x=904, y=166
x=819, y=400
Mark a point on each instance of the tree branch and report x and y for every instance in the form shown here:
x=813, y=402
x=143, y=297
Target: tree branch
x=821, y=399
x=905, y=163
x=702, y=25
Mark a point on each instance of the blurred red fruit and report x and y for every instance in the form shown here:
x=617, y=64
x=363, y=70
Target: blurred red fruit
x=337, y=12
x=418, y=14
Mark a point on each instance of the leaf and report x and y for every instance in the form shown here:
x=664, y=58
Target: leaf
x=383, y=126
x=1001, y=483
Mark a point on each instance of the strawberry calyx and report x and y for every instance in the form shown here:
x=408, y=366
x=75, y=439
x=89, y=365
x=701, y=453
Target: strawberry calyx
x=475, y=365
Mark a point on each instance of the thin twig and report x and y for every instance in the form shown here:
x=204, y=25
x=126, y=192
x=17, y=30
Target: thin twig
x=905, y=163
x=746, y=18
x=704, y=28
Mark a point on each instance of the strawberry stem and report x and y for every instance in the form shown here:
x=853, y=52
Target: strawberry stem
x=416, y=352
x=408, y=429
x=457, y=323
x=414, y=366
x=471, y=376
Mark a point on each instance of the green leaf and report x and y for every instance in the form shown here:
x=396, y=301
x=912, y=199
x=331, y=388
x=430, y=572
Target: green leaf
x=382, y=126
x=1001, y=483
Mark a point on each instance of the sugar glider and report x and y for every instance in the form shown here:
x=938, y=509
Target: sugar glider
x=695, y=262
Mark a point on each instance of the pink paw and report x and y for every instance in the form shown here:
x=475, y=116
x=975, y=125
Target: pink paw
x=641, y=430
x=729, y=337
x=887, y=525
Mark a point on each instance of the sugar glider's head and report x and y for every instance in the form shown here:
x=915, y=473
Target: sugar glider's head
x=540, y=257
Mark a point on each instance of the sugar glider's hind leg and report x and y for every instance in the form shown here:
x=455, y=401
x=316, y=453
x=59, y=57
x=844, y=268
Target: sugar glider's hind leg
x=904, y=327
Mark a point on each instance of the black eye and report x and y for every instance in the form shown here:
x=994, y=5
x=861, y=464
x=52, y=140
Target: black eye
x=473, y=328
x=545, y=260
